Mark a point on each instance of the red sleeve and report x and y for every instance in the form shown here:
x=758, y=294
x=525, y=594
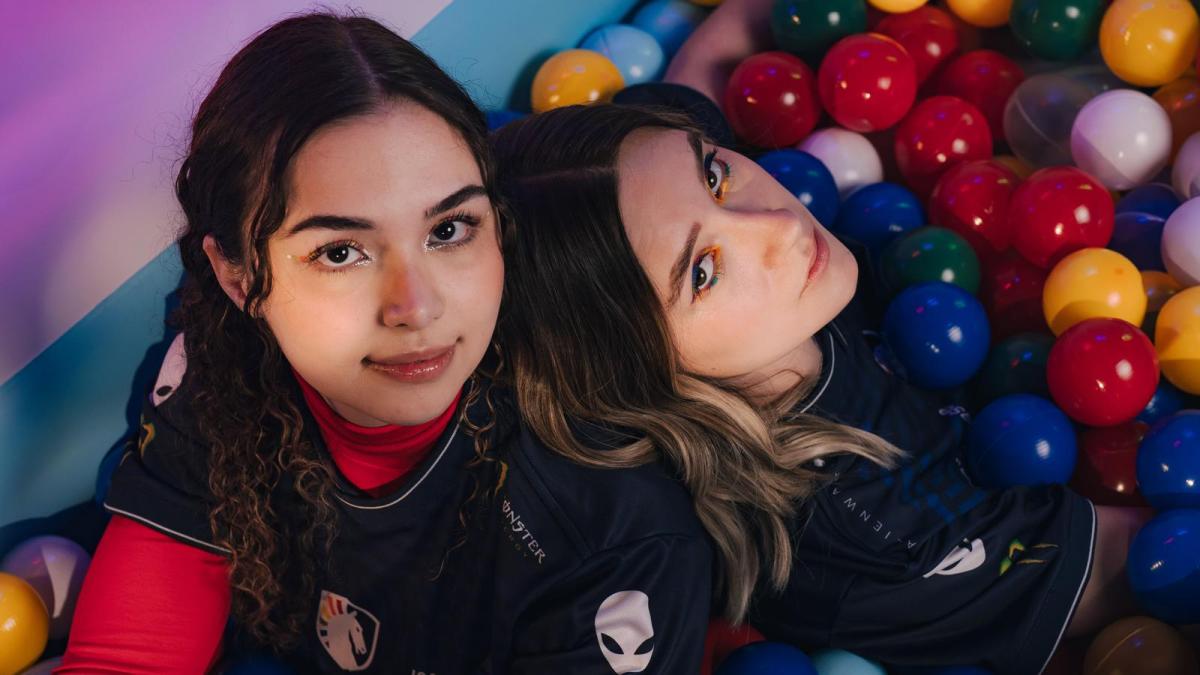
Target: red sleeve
x=149, y=604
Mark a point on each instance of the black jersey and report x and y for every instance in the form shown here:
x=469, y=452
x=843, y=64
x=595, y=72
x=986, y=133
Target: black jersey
x=559, y=568
x=916, y=565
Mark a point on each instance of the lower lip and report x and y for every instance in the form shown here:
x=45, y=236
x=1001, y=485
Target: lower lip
x=820, y=258
x=415, y=371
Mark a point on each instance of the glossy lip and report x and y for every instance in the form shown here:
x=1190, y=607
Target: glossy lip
x=419, y=366
x=820, y=257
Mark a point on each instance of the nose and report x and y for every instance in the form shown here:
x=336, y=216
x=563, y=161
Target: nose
x=778, y=229
x=411, y=298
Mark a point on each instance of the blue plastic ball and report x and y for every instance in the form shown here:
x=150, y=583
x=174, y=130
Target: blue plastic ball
x=1157, y=199
x=1168, y=462
x=767, y=658
x=938, y=332
x=1021, y=439
x=875, y=214
x=498, y=118
x=1138, y=236
x=1167, y=401
x=1164, y=566
x=807, y=179
x=841, y=662
x=635, y=52
x=670, y=22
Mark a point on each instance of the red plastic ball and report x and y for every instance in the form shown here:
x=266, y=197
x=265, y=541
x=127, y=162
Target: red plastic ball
x=985, y=79
x=1059, y=210
x=1106, y=469
x=1102, y=371
x=867, y=82
x=929, y=35
x=723, y=639
x=1011, y=293
x=971, y=198
x=938, y=133
x=771, y=100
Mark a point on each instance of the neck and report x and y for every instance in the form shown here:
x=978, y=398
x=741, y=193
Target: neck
x=778, y=377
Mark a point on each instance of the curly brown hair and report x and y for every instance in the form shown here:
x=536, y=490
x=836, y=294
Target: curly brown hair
x=286, y=83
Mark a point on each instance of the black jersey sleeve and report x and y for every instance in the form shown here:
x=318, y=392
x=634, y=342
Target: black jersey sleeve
x=638, y=608
x=162, y=480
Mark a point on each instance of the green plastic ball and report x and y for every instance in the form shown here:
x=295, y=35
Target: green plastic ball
x=1059, y=30
x=1015, y=366
x=930, y=254
x=807, y=28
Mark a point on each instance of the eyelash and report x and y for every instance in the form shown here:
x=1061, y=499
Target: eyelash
x=726, y=172
x=715, y=251
x=471, y=221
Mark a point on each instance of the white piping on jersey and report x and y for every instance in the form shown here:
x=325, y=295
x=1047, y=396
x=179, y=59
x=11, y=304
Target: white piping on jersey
x=832, y=364
x=1087, y=571
x=415, y=485
x=166, y=530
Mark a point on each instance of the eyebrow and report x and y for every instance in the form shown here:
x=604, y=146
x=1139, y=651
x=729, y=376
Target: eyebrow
x=682, y=263
x=345, y=223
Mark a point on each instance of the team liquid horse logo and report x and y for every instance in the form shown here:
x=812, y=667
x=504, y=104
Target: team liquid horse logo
x=625, y=631
x=348, y=632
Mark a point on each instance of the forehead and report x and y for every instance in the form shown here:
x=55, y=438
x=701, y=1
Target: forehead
x=653, y=154
x=400, y=155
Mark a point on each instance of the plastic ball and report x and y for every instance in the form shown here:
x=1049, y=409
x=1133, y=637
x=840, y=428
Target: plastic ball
x=1102, y=371
x=986, y=79
x=722, y=639
x=24, y=625
x=1181, y=100
x=1106, y=469
x=1156, y=199
x=1181, y=243
x=1160, y=287
x=1015, y=164
x=574, y=76
x=670, y=22
x=1057, y=211
x=809, y=29
x=771, y=100
x=1185, y=175
x=807, y=179
x=849, y=156
x=842, y=662
x=875, y=214
x=706, y=3
x=1017, y=365
x=939, y=132
x=930, y=254
x=982, y=13
x=867, y=82
x=498, y=118
x=1121, y=137
x=1092, y=283
x=1059, y=30
x=635, y=52
x=1168, y=462
x=1177, y=337
x=1138, y=236
x=55, y=568
x=1167, y=401
x=939, y=334
x=927, y=33
x=1020, y=440
x=767, y=658
x=1164, y=566
x=1039, y=115
x=1149, y=43
x=1011, y=292
x=971, y=198
x=1141, y=645
x=700, y=108
x=896, y=6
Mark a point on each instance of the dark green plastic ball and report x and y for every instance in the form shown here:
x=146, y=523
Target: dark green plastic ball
x=930, y=254
x=807, y=28
x=1059, y=30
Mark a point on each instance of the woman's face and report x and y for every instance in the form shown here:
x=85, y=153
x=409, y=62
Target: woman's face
x=387, y=269
x=745, y=273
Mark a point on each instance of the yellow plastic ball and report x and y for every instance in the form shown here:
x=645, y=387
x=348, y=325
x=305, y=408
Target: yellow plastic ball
x=1159, y=286
x=1177, y=339
x=1149, y=42
x=896, y=6
x=1093, y=283
x=575, y=76
x=982, y=13
x=24, y=624
x=1015, y=165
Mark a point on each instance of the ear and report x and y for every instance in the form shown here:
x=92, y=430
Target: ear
x=230, y=276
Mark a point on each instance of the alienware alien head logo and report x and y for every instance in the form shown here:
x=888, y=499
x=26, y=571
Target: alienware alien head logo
x=625, y=631
x=170, y=374
x=347, y=632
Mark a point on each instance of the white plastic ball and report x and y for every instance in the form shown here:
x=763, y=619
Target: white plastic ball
x=849, y=156
x=1181, y=242
x=1185, y=177
x=1122, y=137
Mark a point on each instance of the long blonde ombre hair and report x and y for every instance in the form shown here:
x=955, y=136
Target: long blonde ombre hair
x=587, y=340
